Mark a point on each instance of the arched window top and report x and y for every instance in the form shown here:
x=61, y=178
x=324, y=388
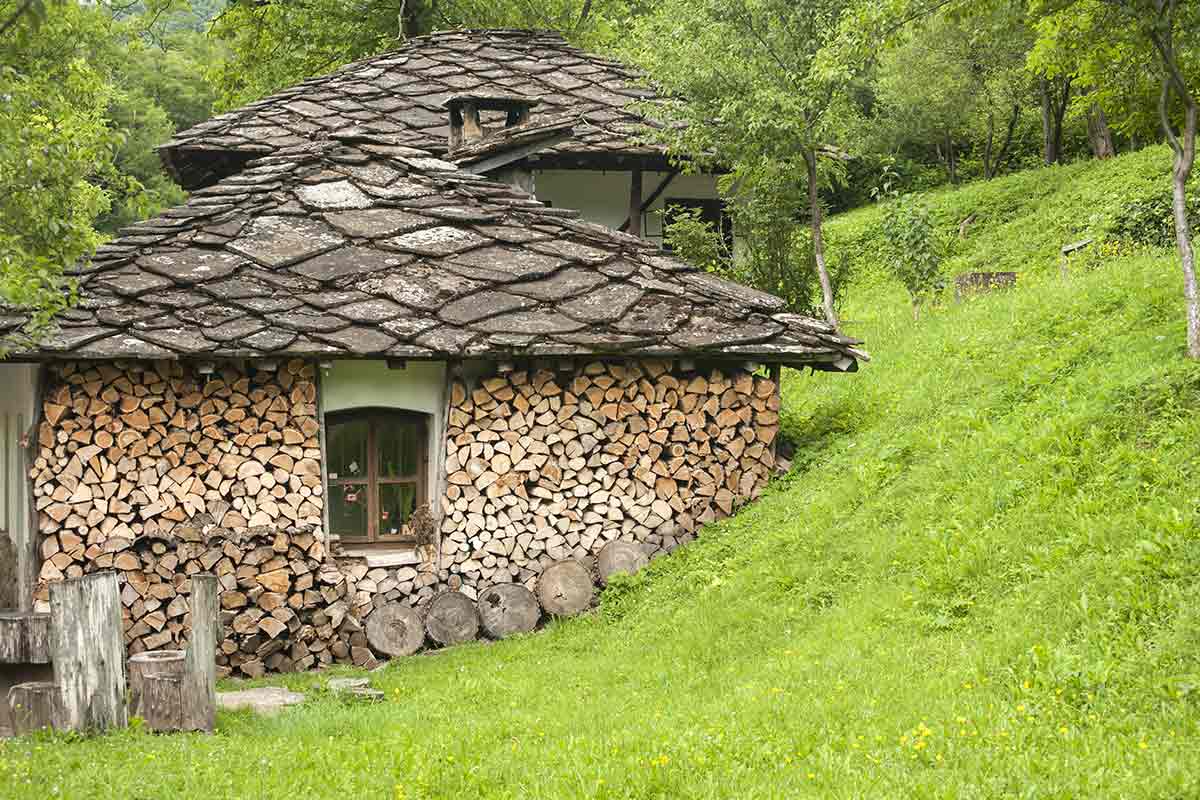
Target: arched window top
x=377, y=465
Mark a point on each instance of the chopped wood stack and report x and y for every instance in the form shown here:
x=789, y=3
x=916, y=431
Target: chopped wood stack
x=544, y=466
x=160, y=473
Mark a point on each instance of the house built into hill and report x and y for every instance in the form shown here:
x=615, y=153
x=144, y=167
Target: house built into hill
x=352, y=373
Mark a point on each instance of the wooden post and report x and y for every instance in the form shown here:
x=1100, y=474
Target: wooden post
x=163, y=701
x=635, y=201
x=33, y=706
x=200, y=672
x=162, y=662
x=88, y=651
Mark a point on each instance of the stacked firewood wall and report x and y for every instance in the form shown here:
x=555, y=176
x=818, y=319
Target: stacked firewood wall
x=160, y=472
x=544, y=466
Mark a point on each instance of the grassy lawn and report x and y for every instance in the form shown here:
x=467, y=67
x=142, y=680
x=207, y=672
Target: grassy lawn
x=980, y=580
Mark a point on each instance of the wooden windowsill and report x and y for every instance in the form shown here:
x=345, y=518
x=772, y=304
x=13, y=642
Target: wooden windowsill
x=381, y=555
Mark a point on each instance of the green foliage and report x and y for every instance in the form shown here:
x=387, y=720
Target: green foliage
x=914, y=248
x=274, y=45
x=54, y=143
x=1018, y=223
x=978, y=581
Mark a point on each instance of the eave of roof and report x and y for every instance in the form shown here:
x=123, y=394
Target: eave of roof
x=358, y=247
x=401, y=94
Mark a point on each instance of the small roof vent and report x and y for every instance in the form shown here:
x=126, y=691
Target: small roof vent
x=467, y=115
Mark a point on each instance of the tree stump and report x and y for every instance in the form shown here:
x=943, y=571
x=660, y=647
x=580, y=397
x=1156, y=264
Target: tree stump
x=163, y=662
x=395, y=630
x=508, y=608
x=452, y=619
x=565, y=588
x=200, y=672
x=620, y=557
x=163, y=701
x=33, y=706
x=88, y=651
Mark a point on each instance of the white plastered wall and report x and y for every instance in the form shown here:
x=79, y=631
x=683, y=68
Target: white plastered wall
x=603, y=197
x=18, y=389
x=418, y=386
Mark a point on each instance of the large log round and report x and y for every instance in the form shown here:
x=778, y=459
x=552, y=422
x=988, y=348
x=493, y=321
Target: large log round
x=565, y=588
x=395, y=630
x=620, y=557
x=451, y=619
x=162, y=701
x=508, y=608
x=165, y=662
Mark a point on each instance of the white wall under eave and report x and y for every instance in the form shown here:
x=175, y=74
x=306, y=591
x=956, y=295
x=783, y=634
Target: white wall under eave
x=18, y=389
x=370, y=383
x=603, y=197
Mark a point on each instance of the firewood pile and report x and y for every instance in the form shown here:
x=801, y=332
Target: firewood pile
x=161, y=473
x=546, y=466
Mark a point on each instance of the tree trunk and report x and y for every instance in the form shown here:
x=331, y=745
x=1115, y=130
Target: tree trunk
x=814, y=207
x=1184, y=148
x=163, y=662
x=1008, y=137
x=1099, y=134
x=1185, y=156
x=951, y=158
x=1054, y=107
x=988, y=167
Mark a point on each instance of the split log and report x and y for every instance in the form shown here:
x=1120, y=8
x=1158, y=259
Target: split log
x=508, y=608
x=88, y=652
x=565, y=589
x=395, y=630
x=163, y=662
x=163, y=702
x=620, y=557
x=200, y=676
x=33, y=706
x=452, y=619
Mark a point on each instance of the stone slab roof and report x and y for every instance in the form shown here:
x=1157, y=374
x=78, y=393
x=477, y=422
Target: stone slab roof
x=358, y=247
x=402, y=94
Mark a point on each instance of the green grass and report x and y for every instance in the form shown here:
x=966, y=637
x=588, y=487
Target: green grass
x=980, y=580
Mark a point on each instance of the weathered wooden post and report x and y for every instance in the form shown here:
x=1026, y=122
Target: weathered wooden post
x=200, y=672
x=88, y=652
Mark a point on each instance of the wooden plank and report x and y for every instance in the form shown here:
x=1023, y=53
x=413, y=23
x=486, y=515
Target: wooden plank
x=88, y=651
x=649, y=201
x=200, y=671
x=635, y=201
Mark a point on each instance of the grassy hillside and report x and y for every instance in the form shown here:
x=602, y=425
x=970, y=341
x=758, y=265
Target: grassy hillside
x=980, y=580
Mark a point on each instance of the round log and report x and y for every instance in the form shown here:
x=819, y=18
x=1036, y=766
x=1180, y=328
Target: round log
x=565, y=588
x=33, y=706
x=162, y=701
x=508, y=608
x=165, y=662
x=620, y=557
x=452, y=619
x=395, y=630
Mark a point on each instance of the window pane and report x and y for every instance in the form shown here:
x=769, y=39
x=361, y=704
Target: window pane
x=348, y=449
x=348, y=510
x=399, y=443
x=396, y=504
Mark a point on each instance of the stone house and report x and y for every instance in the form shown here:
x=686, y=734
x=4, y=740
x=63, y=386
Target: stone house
x=352, y=374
